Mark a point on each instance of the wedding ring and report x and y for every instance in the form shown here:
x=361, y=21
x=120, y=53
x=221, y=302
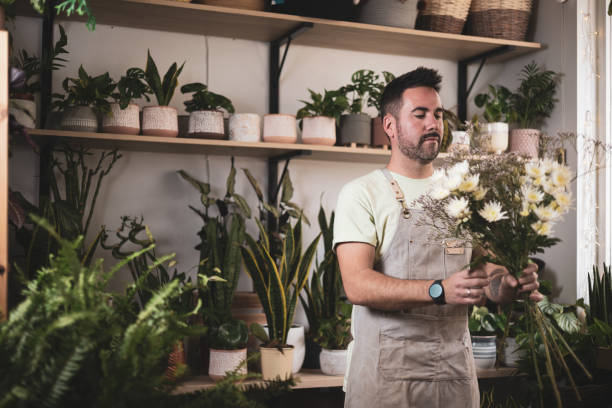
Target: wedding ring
x=468, y=292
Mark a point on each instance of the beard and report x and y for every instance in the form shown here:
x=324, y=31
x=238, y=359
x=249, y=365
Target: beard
x=420, y=152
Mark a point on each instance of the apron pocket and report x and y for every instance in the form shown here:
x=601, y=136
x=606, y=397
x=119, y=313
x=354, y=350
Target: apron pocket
x=406, y=359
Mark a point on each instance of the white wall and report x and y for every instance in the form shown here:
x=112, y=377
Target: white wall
x=146, y=183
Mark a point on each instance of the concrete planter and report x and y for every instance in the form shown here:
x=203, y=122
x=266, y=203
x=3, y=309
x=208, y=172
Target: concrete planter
x=356, y=128
x=159, y=121
x=206, y=124
x=319, y=130
x=279, y=128
x=222, y=361
x=276, y=364
x=79, y=119
x=333, y=362
x=525, y=142
x=122, y=121
x=245, y=127
x=485, y=351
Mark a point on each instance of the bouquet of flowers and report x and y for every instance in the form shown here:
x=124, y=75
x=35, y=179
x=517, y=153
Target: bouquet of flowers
x=506, y=206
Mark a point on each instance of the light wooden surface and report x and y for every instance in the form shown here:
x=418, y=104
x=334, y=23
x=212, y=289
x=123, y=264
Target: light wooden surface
x=175, y=16
x=4, y=179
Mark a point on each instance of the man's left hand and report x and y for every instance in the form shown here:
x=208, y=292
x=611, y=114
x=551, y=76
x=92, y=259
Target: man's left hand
x=527, y=282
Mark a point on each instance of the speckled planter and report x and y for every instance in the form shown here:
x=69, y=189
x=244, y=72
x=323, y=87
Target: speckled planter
x=79, y=119
x=122, y=121
x=23, y=109
x=222, y=361
x=356, y=128
x=319, y=130
x=159, y=121
x=525, y=142
x=276, y=364
x=379, y=137
x=333, y=362
x=206, y=124
x=245, y=127
x=279, y=128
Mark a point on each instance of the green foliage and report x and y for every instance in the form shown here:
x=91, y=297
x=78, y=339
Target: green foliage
x=131, y=86
x=331, y=104
x=334, y=333
x=162, y=89
x=278, y=284
x=363, y=83
x=203, y=99
x=86, y=91
x=71, y=6
x=483, y=323
x=222, y=234
x=600, y=295
x=534, y=100
x=375, y=93
x=230, y=335
x=496, y=103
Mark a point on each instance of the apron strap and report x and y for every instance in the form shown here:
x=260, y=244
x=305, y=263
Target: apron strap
x=399, y=195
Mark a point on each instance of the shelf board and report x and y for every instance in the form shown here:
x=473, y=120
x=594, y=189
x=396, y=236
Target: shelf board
x=176, y=16
x=216, y=147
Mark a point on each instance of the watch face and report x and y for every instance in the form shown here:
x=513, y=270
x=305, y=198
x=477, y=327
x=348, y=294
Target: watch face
x=435, y=290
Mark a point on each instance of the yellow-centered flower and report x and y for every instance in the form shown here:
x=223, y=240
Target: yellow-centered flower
x=492, y=212
x=542, y=228
x=469, y=184
x=457, y=207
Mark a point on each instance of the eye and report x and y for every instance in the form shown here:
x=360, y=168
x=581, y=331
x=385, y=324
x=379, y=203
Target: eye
x=438, y=116
x=420, y=115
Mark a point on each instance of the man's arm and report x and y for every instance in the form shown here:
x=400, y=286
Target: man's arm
x=365, y=286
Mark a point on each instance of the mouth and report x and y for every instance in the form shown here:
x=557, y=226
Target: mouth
x=432, y=137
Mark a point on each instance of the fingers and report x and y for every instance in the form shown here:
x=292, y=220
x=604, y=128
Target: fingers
x=528, y=282
x=536, y=296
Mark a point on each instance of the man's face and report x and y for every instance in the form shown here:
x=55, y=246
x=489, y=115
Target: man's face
x=418, y=127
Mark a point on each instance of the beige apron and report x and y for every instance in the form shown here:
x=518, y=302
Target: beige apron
x=418, y=357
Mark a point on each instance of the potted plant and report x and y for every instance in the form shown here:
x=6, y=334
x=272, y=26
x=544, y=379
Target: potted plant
x=161, y=120
x=379, y=137
x=483, y=325
x=228, y=351
x=205, y=116
x=84, y=99
x=125, y=115
x=279, y=128
x=356, y=126
x=321, y=116
x=496, y=103
x=334, y=336
x=533, y=101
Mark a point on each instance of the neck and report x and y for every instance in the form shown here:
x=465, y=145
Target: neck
x=405, y=166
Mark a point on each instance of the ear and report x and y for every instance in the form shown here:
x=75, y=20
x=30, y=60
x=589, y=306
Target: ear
x=389, y=125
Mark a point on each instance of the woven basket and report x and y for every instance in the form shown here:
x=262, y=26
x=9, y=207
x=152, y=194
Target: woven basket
x=446, y=16
x=507, y=19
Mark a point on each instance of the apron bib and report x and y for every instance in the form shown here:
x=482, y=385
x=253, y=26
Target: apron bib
x=418, y=357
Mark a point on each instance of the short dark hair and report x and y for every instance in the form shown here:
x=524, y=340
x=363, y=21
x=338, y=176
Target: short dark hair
x=390, y=101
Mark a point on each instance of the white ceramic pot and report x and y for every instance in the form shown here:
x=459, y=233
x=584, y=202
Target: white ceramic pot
x=485, y=351
x=296, y=338
x=511, y=352
x=23, y=110
x=333, y=362
x=245, y=127
x=222, y=361
x=319, y=130
x=122, y=121
x=206, y=124
x=275, y=364
x=460, y=142
x=159, y=121
x=495, y=137
x=279, y=128
x=79, y=119
x=525, y=142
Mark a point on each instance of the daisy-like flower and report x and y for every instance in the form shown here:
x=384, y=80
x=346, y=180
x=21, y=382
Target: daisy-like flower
x=542, y=228
x=480, y=193
x=469, y=184
x=532, y=195
x=534, y=170
x=458, y=207
x=461, y=169
x=437, y=176
x=452, y=181
x=547, y=213
x=548, y=186
x=563, y=200
x=492, y=212
x=439, y=193
x=548, y=165
x=561, y=176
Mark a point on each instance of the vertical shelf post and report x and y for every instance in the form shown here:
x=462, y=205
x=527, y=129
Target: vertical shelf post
x=4, y=177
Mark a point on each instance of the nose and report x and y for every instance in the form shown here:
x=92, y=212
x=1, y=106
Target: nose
x=432, y=124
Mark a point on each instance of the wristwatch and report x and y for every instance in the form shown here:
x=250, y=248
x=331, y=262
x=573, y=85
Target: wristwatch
x=436, y=291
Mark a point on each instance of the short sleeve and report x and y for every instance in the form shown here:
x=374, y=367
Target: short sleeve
x=354, y=218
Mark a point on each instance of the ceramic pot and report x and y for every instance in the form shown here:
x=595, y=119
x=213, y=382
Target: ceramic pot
x=23, y=109
x=159, y=121
x=485, y=351
x=495, y=137
x=511, y=352
x=245, y=127
x=275, y=363
x=319, y=130
x=356, y=128
x=525, y=142
x=389, y=12
x=206, y=124
x=222, y=361
x=122, y=121
x=79, y=119
x=295, y=338
x=460, y=142
x=379, y=137
x=279, y=128
x=333, y=362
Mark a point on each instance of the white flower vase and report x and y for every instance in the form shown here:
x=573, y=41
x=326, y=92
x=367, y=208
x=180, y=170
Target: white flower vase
x=485, y=351
x=333, y=362
x=319, y=130
x=496, y=137
x=122, y=121
x=279, y=128
x=206, y=124
x=245, y=127
x=222, y=361
x=159, y=121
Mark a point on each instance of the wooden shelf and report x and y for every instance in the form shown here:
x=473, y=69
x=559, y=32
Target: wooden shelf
x=175, y=16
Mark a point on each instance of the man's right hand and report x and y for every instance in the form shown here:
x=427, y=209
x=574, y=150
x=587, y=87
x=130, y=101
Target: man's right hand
x=465, y=287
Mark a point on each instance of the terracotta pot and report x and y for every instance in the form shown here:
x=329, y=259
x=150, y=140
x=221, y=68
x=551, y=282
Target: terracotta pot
x=175, y=359
x=525, y=142
x=159, y=121
x=243, y=4
x=222, y=361
x=246, y=306
x=23, y=109
x=495, y=137
x=275, y=364
x=485, y=351
x=333, y=362
x=356, y=128
x=79, y=119
x=245, y=127
x=279, y=128
x=122, y=121
x=206, y=124
x=379, y=137
x=319, y=130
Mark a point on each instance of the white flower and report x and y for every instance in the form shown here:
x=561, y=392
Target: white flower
x=439, y=193
x=548, y=165
x=452, y=182
x=542, y=228
x=437, y=176
x=534, y=170
x=492, y=211
x=563, y=200
x=531, y=195
x=458, y=207
x=548, y=186
x=480, y=193
x=469, y=184
x=524, y=209
x=460, y=169
x=561, y=176
x=546, y=213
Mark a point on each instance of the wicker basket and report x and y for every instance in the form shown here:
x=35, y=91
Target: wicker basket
x=446, y=16
x=507, y=19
